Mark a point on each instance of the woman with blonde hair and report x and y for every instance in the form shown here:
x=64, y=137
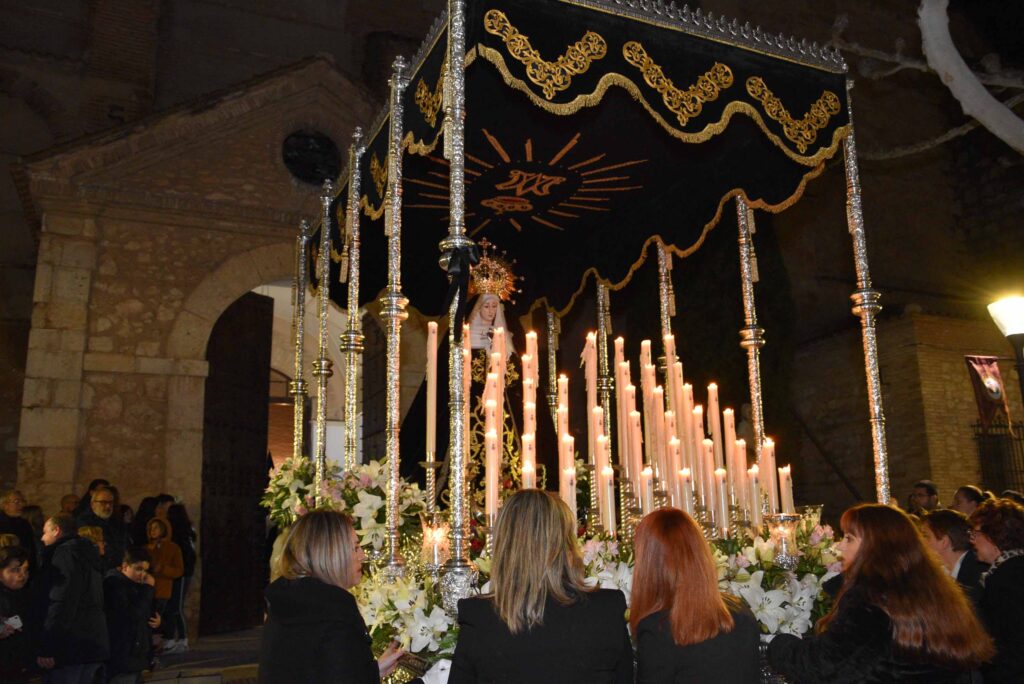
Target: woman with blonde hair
x=899, y=616
x=686, y=630
x=314, y=632
x=541, y=623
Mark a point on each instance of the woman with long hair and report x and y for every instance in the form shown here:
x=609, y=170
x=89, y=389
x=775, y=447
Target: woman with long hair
x=899, y=616
x=314, y=632
x=997, y=533
x=541, y=623
x=687, y=631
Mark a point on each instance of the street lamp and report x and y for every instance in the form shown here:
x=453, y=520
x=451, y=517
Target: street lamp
x=1008, y=313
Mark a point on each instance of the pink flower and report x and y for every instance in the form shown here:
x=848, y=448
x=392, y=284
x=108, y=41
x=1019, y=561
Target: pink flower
x=815, y=537
x=836, y=567
x=300, y=510
x=364, y=480
x=742, y=561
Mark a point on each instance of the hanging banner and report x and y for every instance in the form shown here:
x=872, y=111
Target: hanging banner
x=989, y=392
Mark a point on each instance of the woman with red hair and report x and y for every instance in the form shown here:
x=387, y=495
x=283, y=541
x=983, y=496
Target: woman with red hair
x=899, y=616
x=686, y=630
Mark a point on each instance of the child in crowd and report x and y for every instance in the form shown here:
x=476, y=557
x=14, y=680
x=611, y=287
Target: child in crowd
x=167, y=564
x=128, y=599
x=16, y=634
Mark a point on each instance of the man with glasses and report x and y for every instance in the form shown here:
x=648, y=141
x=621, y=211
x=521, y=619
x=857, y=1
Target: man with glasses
x=102, y=505
x=11, y=522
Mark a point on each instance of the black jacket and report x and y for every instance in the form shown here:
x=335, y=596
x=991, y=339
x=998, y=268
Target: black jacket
x=17, y=655
x=314, y=634
x=128, y=606
x=1000, y=606
x=969, y=576
x=729, y=658
x=585, y=642
x=856, y=648
x=115, y=536
x=74, y=629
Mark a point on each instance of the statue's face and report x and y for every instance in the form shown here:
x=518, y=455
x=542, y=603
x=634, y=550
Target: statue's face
x=489, y=310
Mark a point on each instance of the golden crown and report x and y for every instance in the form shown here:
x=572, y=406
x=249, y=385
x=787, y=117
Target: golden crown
x=493, y=274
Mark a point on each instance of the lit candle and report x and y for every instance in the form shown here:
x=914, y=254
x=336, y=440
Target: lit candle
x=686, y=480
x=602, y=465
x=657, y=443
x=563, y=390
x=755, y=498
x=679, y=405
x=647, y=489
x=645, y=353
x=689, y=455
x=722, y=511
x=467, y=384
x=622, y=411
x=786, y=489
x=492, y=472
x=731, y=462
x=715, y=425
x=770, y=474
x=740, y=454
x=531, y=349
x=608, y=507
x=674, y=466
x=636, y=449
x=567, y=488
x=697, y=451
x=708, y=471
x=590, y=373
x=529, y=459
x=670, y=377
x=431, y=390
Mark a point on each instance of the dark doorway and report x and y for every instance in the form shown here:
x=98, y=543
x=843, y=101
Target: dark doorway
x=235, y=467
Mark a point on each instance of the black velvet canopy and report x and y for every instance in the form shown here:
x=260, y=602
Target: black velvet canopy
x=591, y=127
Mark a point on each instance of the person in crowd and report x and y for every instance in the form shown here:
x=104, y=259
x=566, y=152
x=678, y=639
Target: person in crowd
x=11, y=522
x=541, y=623
x=184, y=535
x=95, y=535
x=73, y=640
x=997, y=532
x=85, y=503
x=143, y=514
x=126, y=516
x=1013, y=495
x=128, y=604
x=314, y=631
x=166, y=564
x=924, y=497
x=898, y=618
x=948, y=534
x=163, y=502
x=68, y=503
x=967, y=498
x=17, y=623
x=686, y=630
x=101, y=515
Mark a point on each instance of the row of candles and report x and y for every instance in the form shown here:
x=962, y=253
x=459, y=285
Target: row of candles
x=689, y=461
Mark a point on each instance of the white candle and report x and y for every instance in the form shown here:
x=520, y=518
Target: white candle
x=708, y=471
x=740, y=454
x=622, y=411
x=715, y=425
x=786, y=489
x=657, y=442
x=529, y=460
x=645, y=353
x=689, y=454
x=562, y=419
x=670, y=377
x=770, y=474
x=674, y=466
x=590, y=373
x=600, y=465
x=431, y=390
x=678, y=405
x=722, y=511
x=755, y=498
x=731, y=462
x=636, y=449
x=467, y=384
x=686, y=481
x=531, y=348
x=697, y=451
x=492, y=473
x=563, y=390
x=647, y=489
x=608, y=510
x=568, y=488
x=529, y=417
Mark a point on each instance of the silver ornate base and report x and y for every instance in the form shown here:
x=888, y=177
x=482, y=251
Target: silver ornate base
x=458, y=581
x=768, y=675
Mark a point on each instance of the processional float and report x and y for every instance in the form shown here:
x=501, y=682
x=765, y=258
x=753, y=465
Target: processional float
x=579, y=134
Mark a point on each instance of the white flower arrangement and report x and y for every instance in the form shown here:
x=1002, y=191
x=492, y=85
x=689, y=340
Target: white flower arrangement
x=408, y=610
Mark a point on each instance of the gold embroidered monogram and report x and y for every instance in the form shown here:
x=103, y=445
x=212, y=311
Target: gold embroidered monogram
x=802, y=132
x=430, y=102
x=504, y=203
x=550, y=76
x=685, y=104
x=529, y=183
x=379, y=173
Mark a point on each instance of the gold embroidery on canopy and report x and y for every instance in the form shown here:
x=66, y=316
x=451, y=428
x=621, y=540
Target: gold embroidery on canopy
x=802, y=132
x=550, y=76
x=373, y=213
x=429, y=101
x=711, y=130
x=685, y=104
x=379, y=174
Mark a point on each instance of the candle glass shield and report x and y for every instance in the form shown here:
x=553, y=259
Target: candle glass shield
x=782, y=532
x=435, y=551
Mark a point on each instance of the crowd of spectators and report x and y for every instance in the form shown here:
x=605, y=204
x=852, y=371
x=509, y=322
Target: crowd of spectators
x=93, y=592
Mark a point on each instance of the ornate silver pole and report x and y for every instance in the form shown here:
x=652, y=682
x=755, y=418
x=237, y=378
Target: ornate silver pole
x=866, y=305
x=352, y=339
x=459, y=574
x=297, y=387
x=322, y=366
x=393, y=312
x=751, y=336
x=553, y=328
x=665, y=295
x=605, y=384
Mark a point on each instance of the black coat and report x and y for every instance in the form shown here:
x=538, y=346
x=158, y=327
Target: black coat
x=128, y=606
x=586, y=642
x=115, y=537
x=969, y=576
x=74, y=628
x=1000, y=606
x=17, y=653
x=729, y=658
x=856, y=648
x=314, y=634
